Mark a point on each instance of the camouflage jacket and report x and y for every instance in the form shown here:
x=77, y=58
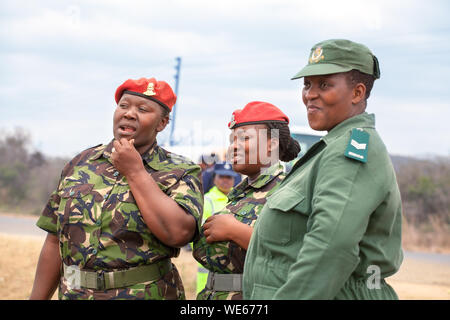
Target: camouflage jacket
x=245, y=202
x=99, y=224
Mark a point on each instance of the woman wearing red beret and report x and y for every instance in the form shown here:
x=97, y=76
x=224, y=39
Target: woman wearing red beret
x=260, y=137
x=122, y=210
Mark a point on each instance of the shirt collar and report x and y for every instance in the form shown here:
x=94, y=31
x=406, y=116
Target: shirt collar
x=217, y=193
x=102, y=150
x=262, y=180
x=153, y=156
x=363, y=120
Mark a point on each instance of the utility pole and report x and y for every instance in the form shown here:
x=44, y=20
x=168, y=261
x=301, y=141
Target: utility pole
x=174, y=110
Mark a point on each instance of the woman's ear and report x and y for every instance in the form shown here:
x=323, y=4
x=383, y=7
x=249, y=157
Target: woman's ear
x=273, y=150
x=359, y=93
x=274, y=143
x=273, y=146
x=162, y=123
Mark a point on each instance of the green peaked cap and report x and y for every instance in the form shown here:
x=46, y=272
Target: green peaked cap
x=339, y=55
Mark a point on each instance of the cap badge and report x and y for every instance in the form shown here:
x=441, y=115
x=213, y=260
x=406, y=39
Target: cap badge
x=232, y=123
x=150, y=90
x=227, y=166
x=316, y=55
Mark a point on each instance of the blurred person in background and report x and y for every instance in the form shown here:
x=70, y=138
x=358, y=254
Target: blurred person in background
x=207, y=163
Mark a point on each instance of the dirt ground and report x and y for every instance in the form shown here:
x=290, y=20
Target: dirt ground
x=417, y=279
x=19, y=255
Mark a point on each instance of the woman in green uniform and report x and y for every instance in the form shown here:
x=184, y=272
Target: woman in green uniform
x=260, y=138
x=332, y=230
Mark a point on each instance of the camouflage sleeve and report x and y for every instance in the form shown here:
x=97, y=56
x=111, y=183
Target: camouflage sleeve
x=221, y=256
x=188, y=193
x=49, y=217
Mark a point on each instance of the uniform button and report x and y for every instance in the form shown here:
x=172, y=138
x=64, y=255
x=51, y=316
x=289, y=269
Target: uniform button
x=94, y=251
x=98, y=222
x=244, y=212
x=116, y=173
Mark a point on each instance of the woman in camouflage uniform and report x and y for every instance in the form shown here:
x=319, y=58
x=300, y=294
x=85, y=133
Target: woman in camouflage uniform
x=122, y=210
x=260, y=138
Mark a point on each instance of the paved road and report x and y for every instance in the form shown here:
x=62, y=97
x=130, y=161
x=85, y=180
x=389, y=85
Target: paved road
x=27, y=226
x=20, y=226
x=429, y=257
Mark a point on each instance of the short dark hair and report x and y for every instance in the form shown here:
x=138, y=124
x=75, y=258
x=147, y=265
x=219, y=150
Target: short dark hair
x=165, y=112
x=355, y=76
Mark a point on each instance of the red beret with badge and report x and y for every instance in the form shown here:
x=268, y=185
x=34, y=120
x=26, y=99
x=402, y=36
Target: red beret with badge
x=257, y=112
x=158, y=91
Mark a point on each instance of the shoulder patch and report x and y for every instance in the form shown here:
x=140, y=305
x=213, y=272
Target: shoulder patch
x=358, y=145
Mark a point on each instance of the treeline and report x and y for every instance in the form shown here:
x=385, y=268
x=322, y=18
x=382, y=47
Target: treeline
x=425, y=188
x=27, y=177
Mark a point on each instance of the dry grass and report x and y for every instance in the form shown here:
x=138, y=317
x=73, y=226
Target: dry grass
x=432, y=236
x=417, y=279
x=187, y=266
x=19, y=256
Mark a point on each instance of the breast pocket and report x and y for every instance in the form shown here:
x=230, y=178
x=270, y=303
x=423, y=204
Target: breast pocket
x=126, y=213
x=282, y=214
x=76, y=204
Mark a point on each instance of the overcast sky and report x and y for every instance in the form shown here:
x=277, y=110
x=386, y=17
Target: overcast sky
x=61, y=62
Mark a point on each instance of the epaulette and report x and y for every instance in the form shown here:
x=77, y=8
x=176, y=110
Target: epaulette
x=358, y=145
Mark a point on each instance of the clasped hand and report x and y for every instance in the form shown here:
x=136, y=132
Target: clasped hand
x=125, y=157
x=219, y=227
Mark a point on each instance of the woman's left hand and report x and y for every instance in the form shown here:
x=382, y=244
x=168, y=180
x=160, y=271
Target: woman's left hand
x=219, y=227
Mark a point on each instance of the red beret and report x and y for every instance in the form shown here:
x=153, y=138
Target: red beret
x=257, y=112
x=158, y=91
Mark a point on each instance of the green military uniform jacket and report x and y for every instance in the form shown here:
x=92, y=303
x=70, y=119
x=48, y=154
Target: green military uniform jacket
x=332, y=230
x=99, y=225
x=244, y=202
